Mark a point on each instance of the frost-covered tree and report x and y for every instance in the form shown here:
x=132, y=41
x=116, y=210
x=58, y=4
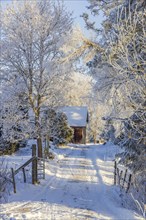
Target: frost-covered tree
x=77, y=89
x=108, y=133
x=14, y=122
x=57, y=128
x=133, y=138
x=62, y=133
x=97, y=110
x=32, y=33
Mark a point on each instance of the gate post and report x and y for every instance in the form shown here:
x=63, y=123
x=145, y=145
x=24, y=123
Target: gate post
x=115, y=172
x=34, y=165
x=13, y=178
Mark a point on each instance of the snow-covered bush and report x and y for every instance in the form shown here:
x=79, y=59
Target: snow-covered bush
x=8, y=148
x=14, y=123
x=4, y=180
x=133, y=139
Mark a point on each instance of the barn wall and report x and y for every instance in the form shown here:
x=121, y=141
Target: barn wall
x=83, y=139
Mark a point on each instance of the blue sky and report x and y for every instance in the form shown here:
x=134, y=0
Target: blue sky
x=77, y=6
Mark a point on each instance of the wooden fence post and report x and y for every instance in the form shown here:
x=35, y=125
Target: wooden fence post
x=129, y=181
x=124, y=178
x=120, y=177
x=43, y=168
x=33, y=150
x=13, y=179
x=35, y=172
x=34, y=165
x=115, y=172
x=24, y=176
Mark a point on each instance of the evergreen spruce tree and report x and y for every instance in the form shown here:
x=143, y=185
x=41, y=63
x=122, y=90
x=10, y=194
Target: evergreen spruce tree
x=62, y=133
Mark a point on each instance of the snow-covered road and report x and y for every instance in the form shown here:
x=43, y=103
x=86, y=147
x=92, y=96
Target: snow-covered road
x=78, y=185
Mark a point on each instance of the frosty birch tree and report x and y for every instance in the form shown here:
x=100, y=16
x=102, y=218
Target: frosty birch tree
x=32, y=33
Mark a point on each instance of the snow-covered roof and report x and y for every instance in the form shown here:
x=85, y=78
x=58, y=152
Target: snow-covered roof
x=77, y=115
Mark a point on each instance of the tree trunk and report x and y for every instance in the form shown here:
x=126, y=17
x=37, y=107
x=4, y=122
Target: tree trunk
x=39, y=144
x=94, y=138
x=47, y=146
x=38, y=129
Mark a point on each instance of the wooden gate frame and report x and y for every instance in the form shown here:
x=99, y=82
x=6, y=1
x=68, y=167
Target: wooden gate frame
x=32, y=160
x=118, y=177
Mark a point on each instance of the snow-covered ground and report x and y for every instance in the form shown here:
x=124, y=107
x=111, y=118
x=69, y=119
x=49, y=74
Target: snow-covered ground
x=78, y=185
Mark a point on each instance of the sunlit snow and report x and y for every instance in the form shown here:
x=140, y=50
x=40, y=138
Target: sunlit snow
x=78, y=185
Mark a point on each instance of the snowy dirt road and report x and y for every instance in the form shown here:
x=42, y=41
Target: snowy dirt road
x=78, y=185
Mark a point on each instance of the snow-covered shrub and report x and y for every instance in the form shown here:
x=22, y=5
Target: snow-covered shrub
x=133, y=139
x=14, y=124
x=8, y=148
x=4, y=180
